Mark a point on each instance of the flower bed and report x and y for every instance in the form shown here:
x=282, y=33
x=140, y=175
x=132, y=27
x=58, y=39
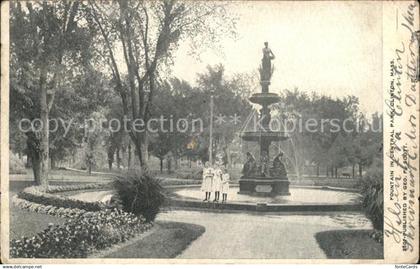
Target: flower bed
x=76, y=187
x=81, y=235
x=46, y=196
x=91, y=226
x=47, y=209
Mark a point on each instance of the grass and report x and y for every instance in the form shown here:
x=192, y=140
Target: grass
x=63, y=175
x=26, y=223
x=349, y=244
x=166, y=240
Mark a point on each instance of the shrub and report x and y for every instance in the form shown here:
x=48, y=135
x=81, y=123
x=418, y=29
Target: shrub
x=16, y=166
x=140, y=194
x=372, y=194
x=80, y=236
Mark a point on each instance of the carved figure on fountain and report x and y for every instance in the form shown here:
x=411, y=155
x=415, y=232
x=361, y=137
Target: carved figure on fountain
x=278, y=169
x=250, y=166
x=264, y=163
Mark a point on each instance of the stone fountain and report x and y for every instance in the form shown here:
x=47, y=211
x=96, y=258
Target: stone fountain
x=264, y=177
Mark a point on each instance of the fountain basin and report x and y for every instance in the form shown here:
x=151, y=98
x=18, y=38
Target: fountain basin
x=300, y=196
x=265, y=98
x=302, y=199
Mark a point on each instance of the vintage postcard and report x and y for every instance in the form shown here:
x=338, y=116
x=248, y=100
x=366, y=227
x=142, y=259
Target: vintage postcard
x=172, y=131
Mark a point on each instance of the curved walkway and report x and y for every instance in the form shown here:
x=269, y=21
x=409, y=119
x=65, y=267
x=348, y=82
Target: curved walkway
x=241, y=235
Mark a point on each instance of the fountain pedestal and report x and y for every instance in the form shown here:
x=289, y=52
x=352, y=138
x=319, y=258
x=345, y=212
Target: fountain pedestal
x=274, y=181
x=264, y=186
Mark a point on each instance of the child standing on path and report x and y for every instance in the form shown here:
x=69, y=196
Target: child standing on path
x=206, y=185
x=225, y=184
x=217, y=183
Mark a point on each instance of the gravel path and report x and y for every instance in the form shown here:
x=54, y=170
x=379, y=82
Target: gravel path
x=241, y=235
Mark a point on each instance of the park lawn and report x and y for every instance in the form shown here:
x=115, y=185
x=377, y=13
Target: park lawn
x=166, y=240
x=57, y=176
x=27, y=223
x=349, y=244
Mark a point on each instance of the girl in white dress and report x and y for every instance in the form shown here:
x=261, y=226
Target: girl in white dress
x=206, y=185
x=217, y=183
x=225, y=184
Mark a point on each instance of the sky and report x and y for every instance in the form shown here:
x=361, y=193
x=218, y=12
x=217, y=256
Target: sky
x=332, y=48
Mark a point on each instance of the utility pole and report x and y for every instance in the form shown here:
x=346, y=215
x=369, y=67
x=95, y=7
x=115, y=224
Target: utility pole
x=211, y=132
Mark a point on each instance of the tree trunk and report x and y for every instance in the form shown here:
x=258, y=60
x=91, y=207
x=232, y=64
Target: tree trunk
x=140, y=145
x=36, y=168
x=229, y=158
x=161, y=164
x=35, y=156
x=144, y=153
x=176, y=160
x=110, y=157
x=360, y=170
x=28, y=161
x=53, y=162
x=169, y=164
x=336, y=172
x=118, y=158
x=129, y=156
x=353, y=170
x=44, y=138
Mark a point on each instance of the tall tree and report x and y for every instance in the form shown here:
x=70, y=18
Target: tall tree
x=147, y=33
x=318, y=145
x=47, y=39
x=231, y=106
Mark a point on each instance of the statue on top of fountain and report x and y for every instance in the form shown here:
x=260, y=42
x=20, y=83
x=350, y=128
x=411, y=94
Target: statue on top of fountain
x=266, y=69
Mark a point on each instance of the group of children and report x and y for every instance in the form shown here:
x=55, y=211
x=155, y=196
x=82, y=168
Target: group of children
x=215, y=180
